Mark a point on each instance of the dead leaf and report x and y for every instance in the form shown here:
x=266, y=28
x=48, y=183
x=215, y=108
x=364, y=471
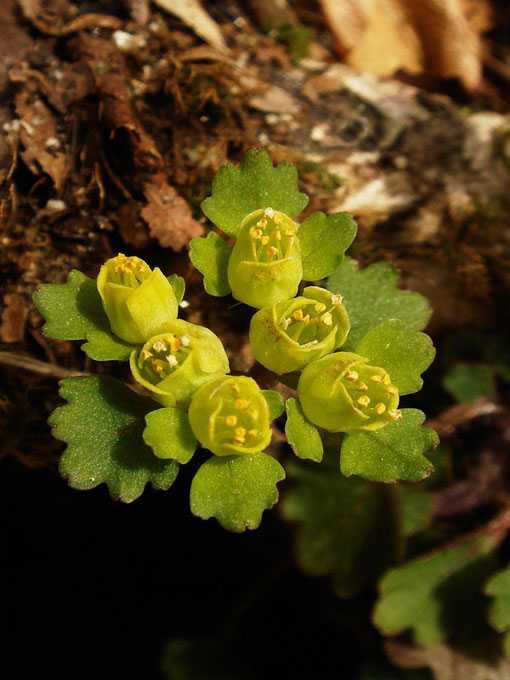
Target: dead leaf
x=275, y=100
x=193, y=15
x=40, y=138
x=482, y=661
x=14, y=316
x=49, y=16
x=417, y=36
x=168, y=214
x=15, y=40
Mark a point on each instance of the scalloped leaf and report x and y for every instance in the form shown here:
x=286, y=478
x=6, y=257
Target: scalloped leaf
x=102, y=425
x=210, y=256
x=71, y=309
x=275, y=402
x=498, y=587
x=256, y=184
x=74, y=311
x=371, y=297
x=403, y=353
x=236, y=489
x=324, y=240
x=393, y=452
x=347, y=528
x=301, y=434
x=179, y=286
x=437, y=594
x=169, y=434
x=416, y=508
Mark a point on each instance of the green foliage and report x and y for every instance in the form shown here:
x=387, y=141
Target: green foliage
x=206, y=658
x=404, y=354
x=210, y=256
x=469, y=382
x=324, y=240
x=256, y=184
x=437, y=594
x=102, y=425
x=297, y=37
x=498, y=587
x=236, y=489
x=179, y=286
x=346, y=527
x=274, y=402
x=169, y=434
x=371, y=297
x=393, y=452
x=416, y=508
x=301, y=434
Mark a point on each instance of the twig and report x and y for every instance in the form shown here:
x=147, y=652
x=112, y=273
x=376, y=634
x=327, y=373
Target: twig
x=28, y=363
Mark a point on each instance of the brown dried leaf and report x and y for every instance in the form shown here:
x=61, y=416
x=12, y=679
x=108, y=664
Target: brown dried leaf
x=15, y=40
x=168, y=214
x=47, y=15
x=14, y=316
x=416, y=36
x=482, y=661
x=193, y=15
x=40, y=139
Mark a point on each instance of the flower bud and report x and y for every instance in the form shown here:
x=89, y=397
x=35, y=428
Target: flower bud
x=341, y=393
x=136, y=299
x=289, y=335
x=174, y=364
x=265, y=264
x=230, y=416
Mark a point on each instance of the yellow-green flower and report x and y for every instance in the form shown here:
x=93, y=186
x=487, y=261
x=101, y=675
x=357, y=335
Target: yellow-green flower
x=341, y=393
x=230, y=416
x=138, y=301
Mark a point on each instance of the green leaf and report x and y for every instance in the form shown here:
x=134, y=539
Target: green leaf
x=417, y=508
x=323, y=242
x=210, y=256
x=169, y=434
x=256, y=184
x=346, y=527
x=204, y=658
x=102, y=345
x=469, y=382
x=371, y=296
x=403, y=353
x=498, y=586
x=275, y=402
x=236, y=489
x=102, y=425
x=178, y=284
x=74, y=311
x=437, y=594
x=301, y=434
x=392, y=452
x=71, y=309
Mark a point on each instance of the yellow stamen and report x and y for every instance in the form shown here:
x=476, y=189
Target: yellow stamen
x=157, y=366
x=146, y=354
x=271, y=251
x=363, y=387
x=277, y=219
x=327, y=319
x=185, y=340
x=240, y=437
x=175, y=344
x=320, y=307
x=306, y=319
x=392, y=390
x=239, y=440
x=265, y=240
x=336, y=299
x=352, y=376
x=394, y=414
x=256, y=233
x=289, y=233
x=387, y=379
x=241, y=404
x=231, y=420
x=159, y=346
x=380, y=408
x=278, y=235
x=262, y=223
x=235, y=388
x=269, y=212
x=376, y=378
x=284, y=323
x=172, y=360
x=298, y=315
x=253, y=433
x=364, y=401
